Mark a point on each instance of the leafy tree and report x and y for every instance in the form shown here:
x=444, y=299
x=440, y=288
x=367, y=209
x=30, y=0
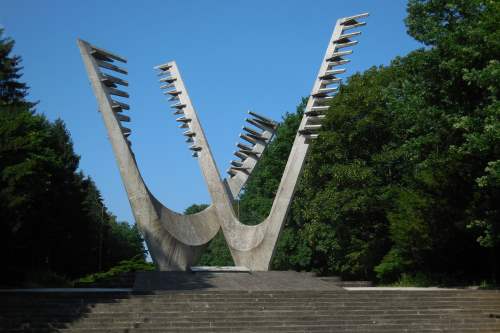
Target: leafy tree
x=454, y=178
x=12, y=91
x=53, y=219
x=217, y=253
x=403, y=180
x=195, y=208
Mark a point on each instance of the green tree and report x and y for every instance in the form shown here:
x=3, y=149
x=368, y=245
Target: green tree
x=52, y=216
x=12, y=91
x=404, y=177
x=458, y=115
x=216, y=253
x=258, y=194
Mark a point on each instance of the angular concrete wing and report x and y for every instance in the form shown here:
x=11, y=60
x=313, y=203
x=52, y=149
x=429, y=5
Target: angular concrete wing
x=173, y=85
x=175, y=241
x=257, y=137
x=253, y=246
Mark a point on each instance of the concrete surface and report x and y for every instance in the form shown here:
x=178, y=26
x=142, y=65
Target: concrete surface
x=176, y=241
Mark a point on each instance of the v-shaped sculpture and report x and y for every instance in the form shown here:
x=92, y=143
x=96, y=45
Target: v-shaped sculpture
x=176, y=241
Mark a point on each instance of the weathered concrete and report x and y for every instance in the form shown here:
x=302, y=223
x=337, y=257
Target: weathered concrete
x=253, y=246
x=281, y=310
x=226, y=281
x=175, y=241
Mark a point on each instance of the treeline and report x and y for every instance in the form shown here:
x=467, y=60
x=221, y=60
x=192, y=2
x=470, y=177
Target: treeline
x=404, y=180
x=53, y=220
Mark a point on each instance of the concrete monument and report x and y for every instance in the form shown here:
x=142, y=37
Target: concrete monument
x=176, y=241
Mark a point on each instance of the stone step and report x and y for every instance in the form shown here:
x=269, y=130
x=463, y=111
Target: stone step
x=256, y=311
x=258, y=316
x=265, y=297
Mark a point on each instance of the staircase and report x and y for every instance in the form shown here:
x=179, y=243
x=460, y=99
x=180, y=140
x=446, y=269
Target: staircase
x=335, y=310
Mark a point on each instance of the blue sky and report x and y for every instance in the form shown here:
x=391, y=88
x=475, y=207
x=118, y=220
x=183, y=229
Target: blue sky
x=233, y=55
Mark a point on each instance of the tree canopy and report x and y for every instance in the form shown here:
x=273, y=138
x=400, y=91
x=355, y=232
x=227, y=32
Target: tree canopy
x=404, y=179
x=52, y=216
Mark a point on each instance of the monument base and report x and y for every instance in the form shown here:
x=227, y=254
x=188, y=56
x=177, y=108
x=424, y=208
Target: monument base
x=228, y=281
x=219, y=269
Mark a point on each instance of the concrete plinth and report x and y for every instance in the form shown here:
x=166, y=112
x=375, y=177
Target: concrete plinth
x=230, y=281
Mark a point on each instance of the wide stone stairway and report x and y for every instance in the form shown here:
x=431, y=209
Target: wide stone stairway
x=194, y=308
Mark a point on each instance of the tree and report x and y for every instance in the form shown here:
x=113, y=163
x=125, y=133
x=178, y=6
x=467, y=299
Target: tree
x=53, y=218
x=12, y=91
x=216, y=253
x=258, y=194
x=404, y=177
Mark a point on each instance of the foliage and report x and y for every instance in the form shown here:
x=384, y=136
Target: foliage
x=194, y=208
x=136, y=264
x=216, y=253
x=403, y=182
x=53, y=217
x=258, y=194
x=418, y=280
x=12, y=91
x=402, y=185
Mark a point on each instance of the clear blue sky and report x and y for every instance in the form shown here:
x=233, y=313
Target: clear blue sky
x=233, y=55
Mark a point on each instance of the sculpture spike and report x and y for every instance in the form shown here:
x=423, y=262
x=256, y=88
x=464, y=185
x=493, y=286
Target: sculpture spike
x=167, y=86
x=164, y=67
x=122, y=117
x=107, y=54
x=344, y=20
x=183, y=119
x=248, y=139
x=324, y=92
x=320, y=108
x=236, y=163
x=111, y=67
x=243, y=146
x=338, y=55
x=260, y=124
x=112, y=79
x=346, y=37
x=335, y=71
x=241, y=155
x=346, y=44
x=189, y=133
x=338, y=62
x=174, y=92
x=126, y=130
x=178, y=106
x=118, y=92
x=251, y=131
x=353, y=25
x=169, y=79
x=120, y=105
